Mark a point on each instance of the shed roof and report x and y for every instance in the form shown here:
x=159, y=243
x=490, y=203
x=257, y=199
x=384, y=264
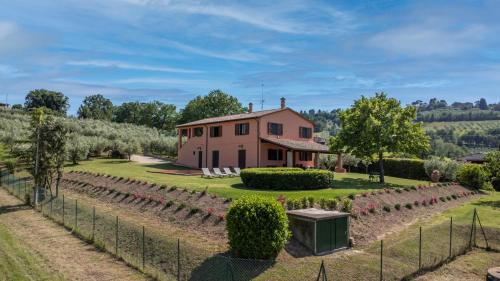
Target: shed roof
x=317, y=214
x=298, y=144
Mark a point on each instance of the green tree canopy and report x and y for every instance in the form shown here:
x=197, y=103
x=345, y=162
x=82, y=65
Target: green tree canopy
x=379, y=125
x=152, y=114
x=216, y=103
x=55, y=101
x=96, y=107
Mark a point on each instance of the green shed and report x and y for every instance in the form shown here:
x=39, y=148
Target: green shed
x=319, y=230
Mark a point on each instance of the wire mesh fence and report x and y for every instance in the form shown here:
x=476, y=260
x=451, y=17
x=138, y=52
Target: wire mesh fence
x=170, y=258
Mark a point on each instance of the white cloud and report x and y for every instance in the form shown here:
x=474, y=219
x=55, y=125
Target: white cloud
x=429, y=39
x=159, y=80
x=123, y=65
x=13, y=39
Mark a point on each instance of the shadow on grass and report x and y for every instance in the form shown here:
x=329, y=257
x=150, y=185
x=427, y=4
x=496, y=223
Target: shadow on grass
x=222, y=267
x=165, y=166
x=13, y=208
x=493, y=204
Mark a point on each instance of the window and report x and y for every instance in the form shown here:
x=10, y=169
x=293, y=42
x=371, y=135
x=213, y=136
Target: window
x=275, y=129
x=198, y=132
x=305, y=132
x=242, y=129
x=216, y=131
x=275, y=154
x=305, y=156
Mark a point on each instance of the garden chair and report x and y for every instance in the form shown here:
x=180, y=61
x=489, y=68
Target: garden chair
x=228, y=172
x=237, y=171
x=219, y=173
x=207, y=174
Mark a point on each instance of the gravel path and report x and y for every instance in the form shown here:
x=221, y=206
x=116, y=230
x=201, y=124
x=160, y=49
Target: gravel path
x=66, y=254
x=147, y=159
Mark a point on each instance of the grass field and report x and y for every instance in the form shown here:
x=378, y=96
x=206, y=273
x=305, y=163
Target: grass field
x=345, y=184
x=19, y=263
x=461, y=127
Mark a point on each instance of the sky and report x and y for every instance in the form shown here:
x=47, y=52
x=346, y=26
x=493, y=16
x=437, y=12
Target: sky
x=316, y=54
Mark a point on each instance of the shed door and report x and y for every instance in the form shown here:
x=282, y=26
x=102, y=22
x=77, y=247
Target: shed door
x=341, y=235
x=323, y=236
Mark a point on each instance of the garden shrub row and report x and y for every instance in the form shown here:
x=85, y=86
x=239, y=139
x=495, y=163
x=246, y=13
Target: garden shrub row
x=286, y=178
x=398, y=167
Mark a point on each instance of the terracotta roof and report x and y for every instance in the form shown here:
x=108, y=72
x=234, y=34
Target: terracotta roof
x=298, y=145
x=231, y=117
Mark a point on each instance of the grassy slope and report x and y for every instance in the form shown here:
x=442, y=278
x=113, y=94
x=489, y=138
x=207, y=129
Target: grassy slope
x=230, y=187
x=18, y=263
x=461, y=126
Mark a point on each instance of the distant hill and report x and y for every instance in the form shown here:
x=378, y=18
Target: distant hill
x=452, y=115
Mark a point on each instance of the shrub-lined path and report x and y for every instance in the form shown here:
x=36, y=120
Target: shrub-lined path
x=62, y=252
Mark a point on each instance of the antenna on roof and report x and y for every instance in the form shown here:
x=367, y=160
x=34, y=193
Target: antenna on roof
x=262, y=96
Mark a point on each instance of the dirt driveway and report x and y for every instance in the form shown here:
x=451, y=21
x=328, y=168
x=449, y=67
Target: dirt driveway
x=66, y=254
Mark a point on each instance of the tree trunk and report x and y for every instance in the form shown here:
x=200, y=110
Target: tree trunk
x=381, y=166
x=58, y=181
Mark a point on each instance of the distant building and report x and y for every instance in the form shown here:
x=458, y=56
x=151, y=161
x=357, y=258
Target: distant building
x=477, y=158
x=269, y=138
x=4, y=105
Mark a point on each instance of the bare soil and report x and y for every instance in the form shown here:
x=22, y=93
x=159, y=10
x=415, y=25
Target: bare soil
x=65, y=253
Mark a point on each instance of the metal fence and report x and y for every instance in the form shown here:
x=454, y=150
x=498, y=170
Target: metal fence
x=171, y=258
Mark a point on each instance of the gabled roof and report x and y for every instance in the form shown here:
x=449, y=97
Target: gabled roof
x=234, y=117
x=298, y=144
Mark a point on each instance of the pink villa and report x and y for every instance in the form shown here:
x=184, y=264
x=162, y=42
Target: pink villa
x=268, y=138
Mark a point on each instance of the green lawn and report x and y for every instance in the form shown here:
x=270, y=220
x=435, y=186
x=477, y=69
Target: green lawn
x=19, y=263
x=345, y=184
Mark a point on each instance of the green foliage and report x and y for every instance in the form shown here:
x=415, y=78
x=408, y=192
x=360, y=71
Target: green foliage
x=216, y=103
x=153, y=114
x=257, y=227
x=404, y=168
x=447, y=168
x=286, y=178
x=96, y=107
x=493, y=167
x=55, y=101
x=76, y=149
x=397, y=206
x=487, y=186
x=332, y=203
x=387, y=208
x=472, y=175
x=10, y=164
x=378, y=125
x=346, y=205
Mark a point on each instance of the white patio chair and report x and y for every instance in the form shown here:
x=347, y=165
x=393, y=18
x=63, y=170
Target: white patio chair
x=237, y=171
x=228, y=172
x=219, y=173
x=207, y=174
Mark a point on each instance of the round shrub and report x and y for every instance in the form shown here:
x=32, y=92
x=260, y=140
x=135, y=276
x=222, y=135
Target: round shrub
x=286, y=178
x=472, y=175
x=257, y=227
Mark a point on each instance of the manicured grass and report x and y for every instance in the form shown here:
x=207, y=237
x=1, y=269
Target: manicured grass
x=19, y=263
x=345, y=184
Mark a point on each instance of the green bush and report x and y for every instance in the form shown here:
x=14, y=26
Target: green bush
x=10, y=164
x=405, y=168
x=257, y=227
x=346, y=205
x=286, y=178
x=472, y=175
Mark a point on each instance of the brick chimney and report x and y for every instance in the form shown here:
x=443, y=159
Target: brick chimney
x=250, y=107
x=283, y=103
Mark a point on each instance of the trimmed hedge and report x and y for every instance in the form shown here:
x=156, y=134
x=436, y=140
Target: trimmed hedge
x=473, y=175
x=286, y=178
x=398, y=167
x=257, y=227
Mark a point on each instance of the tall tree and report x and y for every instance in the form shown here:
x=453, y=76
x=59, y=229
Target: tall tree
x=48, y=140
x=482, y=104
x=216, y=103
x=152, y=114
x=96, y=107
x=379, y=125
x=55, y=101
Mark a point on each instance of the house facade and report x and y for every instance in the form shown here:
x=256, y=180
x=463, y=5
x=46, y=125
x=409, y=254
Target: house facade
x=269, y=138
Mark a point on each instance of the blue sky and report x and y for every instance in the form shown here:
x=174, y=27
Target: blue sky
x=317, y=54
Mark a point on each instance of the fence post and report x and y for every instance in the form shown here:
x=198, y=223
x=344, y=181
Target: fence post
x=41, y=207
x=381, y=260
x=116, y=237
x=420, y=249
x=451, y=236
x=63, y=211
x=475, y=228
x=93, y=224
x=178, y=259
x=76, y=214
x=472, y=232
x=50, y=214
x=19, y=189
x=25, y=187
x=143, y=248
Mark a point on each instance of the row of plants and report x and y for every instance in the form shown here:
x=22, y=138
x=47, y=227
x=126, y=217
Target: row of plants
x=156, y=199
x=339, y=204
x=372, y=208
